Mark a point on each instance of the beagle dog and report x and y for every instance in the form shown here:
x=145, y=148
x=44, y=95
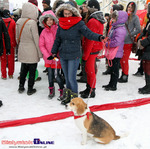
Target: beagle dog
x=90, y=124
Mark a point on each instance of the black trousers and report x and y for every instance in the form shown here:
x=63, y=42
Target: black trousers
x=114, y=72
x=25, y=68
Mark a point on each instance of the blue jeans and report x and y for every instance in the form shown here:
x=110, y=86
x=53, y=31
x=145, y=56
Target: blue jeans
x=51, y=77
x=70, y=68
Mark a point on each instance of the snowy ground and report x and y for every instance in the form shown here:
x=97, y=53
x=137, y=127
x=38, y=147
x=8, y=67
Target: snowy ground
x=132, y=121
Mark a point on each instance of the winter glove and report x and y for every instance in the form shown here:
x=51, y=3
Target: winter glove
x=51, y=57
x=139, y=44
x=101, y=38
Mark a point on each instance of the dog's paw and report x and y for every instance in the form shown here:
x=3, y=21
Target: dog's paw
x=83, y=143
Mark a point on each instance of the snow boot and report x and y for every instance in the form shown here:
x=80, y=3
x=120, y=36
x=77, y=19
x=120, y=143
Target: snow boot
x=138, y=74
x=21, y=89
x=87, y=92
x=1, y=103
x=51, y=92
x=123, y=78
x=107, y=72
x=60, y=98
x=146, y=88
x=65, y=93
x=31, y=91
x=70, y=95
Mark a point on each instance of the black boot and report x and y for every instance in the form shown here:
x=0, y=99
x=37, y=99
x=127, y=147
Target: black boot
x=110, y=88
x=139, y=73
x=66, y=96
x=83, y=79
x=108, y=71
x=1, y=103
x=123, y=78
x=88, y=92
x=21, y=88
x=69, y=95
x=146, y=88
x=31, y=91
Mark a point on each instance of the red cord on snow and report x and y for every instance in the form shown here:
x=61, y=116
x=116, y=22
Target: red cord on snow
x=63, y=115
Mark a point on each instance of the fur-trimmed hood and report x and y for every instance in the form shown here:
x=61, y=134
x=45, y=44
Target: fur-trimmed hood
x=59, y=10
x=47, y=14
x=98, y=15
x=56, y=4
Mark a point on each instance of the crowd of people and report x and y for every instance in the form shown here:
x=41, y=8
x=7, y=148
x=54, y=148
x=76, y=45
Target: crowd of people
x=68, y=36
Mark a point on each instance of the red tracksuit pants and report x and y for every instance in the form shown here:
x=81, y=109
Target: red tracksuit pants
x=90, y=70
x=10, y=60
x=125, y=59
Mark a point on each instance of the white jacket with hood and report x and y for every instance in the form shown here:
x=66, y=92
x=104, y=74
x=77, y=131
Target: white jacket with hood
x=28, y=51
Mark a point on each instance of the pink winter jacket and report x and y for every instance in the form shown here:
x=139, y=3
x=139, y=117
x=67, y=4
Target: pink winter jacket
x=46, y=41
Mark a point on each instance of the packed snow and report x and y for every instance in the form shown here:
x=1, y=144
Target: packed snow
x=132, y=123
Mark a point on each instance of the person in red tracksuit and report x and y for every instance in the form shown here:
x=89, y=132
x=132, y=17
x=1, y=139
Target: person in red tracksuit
x=9, y=59
x=91, y=49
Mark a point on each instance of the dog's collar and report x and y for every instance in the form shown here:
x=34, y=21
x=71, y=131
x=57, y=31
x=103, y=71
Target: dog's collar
x=87, y=114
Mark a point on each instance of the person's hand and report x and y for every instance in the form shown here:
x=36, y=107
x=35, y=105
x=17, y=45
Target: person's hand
x=51, y=57
x=102, y=38
x=139, y=44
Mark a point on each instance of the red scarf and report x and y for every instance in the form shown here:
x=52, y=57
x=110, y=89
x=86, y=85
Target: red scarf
x=68, y=22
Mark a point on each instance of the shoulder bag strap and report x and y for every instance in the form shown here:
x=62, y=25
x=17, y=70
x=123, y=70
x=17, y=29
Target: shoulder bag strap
x=129, y=32
x=22, y=30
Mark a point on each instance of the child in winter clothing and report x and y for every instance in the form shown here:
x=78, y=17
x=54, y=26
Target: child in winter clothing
x=49, y=21
x=9, y=59
x=116, y=39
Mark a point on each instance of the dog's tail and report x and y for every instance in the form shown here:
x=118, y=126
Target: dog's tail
x=116, y=137
x=122, y=136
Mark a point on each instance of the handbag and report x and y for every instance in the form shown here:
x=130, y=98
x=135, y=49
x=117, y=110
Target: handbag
x=110, y=53
x=135, y=46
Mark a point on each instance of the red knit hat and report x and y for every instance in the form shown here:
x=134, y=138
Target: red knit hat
x=33, y=2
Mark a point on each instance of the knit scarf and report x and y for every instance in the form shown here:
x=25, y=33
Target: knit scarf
x=68, y=22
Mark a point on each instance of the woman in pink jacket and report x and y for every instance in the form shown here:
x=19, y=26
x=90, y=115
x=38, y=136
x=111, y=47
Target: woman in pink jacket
x=49, y=21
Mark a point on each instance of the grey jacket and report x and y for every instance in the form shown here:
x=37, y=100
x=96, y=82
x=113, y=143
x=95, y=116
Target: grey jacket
x=133, y=26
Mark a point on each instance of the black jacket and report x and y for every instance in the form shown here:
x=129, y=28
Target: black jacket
x=146, y=42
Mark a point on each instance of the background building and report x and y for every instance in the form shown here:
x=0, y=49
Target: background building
x=106, y=4
x=4, y=3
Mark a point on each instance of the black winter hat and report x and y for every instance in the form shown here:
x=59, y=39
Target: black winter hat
x=6, y=13
x=93, y=4
x=116, y=7
x=46, y=2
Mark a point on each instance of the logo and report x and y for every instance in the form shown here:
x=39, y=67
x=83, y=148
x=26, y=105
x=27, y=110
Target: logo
x=38, y=141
